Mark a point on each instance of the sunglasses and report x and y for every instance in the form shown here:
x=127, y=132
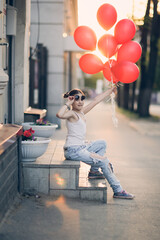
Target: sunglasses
x=77, y=97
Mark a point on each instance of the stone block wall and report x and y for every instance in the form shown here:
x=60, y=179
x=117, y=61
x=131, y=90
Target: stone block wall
x=8, y=178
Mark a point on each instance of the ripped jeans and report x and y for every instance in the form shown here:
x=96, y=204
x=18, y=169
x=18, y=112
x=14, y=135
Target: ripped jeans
x=93, y=154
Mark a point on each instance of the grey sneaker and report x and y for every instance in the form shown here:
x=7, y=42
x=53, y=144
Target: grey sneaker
x=123, y=195
x=96, y=175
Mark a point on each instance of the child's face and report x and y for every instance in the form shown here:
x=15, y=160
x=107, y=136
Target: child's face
x=78, y=102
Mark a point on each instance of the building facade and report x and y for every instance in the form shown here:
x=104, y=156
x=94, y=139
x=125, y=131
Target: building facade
x=14, y=59
x=25, y=24
x=53, y=24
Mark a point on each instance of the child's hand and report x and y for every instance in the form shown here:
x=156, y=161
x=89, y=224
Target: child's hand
x=114, y=89
x=70, y=100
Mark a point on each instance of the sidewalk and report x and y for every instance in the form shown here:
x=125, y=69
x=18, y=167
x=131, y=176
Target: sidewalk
x=147, y=126
x=135, y=157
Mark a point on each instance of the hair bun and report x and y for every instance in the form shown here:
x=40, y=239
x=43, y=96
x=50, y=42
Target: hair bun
x=66, y=95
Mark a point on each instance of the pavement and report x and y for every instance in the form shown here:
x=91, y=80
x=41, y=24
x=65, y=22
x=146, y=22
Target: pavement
x=134, y=150
x=148, y=126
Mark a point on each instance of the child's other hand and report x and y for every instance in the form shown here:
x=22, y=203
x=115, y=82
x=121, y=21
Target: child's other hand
x=114, y=89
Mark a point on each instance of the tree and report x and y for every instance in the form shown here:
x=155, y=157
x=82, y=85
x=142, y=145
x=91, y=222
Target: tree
x=148, y=66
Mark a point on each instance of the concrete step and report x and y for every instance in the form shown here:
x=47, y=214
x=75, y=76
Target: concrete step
x=52, y=174
x=95, y=189
x=91, y=189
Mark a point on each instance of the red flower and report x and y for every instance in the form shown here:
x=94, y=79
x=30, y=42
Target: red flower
x=27, y=133
x=31, y=130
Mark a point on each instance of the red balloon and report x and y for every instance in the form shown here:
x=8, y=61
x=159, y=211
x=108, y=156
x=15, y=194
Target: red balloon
x=124, y=30
x=130, y=51
x=110, y=63
x=106, y=16
x=107, y=45
x=90, y=63
x=85, y=38
x=107, y=72
x=126, y=72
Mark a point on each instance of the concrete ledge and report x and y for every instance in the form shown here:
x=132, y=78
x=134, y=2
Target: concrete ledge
x=52, y=158
x=92, y=184
x=36, y=180
x=94, y=195
x=66, y=193
x=65, y=164
x=84, y=194
x=62, y=164
x=52, y=174
x=63, y=178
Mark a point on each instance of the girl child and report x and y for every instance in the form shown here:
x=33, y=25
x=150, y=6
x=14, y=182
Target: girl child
x=75, y=148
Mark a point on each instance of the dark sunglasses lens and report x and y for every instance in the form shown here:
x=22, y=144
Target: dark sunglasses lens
x=76, y=97
x=82, y=98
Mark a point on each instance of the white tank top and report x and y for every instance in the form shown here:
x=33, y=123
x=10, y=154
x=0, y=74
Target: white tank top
x=76, y=132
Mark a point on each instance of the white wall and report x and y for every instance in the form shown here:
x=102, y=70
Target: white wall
x=22, y=59
x=51, y=30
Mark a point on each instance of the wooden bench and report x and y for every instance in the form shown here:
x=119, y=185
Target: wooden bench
x=32, y=114
x=8, y=133
x=53, y=174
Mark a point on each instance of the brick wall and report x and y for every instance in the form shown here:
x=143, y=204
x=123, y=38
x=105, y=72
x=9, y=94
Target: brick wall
x=8, y=178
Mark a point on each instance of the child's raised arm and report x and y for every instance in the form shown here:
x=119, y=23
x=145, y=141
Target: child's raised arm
x=63, y=112
x=98, y=99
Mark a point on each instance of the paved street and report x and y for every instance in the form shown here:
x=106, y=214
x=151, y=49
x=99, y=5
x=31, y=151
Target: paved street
x=136, y=159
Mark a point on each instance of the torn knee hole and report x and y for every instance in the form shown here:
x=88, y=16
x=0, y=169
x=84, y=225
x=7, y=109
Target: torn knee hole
x=99, y=157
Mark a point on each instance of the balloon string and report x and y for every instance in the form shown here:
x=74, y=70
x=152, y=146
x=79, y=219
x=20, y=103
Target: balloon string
x=114, y=118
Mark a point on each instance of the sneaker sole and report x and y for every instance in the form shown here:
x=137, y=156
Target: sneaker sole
x=121, y=197
x=96, y=177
